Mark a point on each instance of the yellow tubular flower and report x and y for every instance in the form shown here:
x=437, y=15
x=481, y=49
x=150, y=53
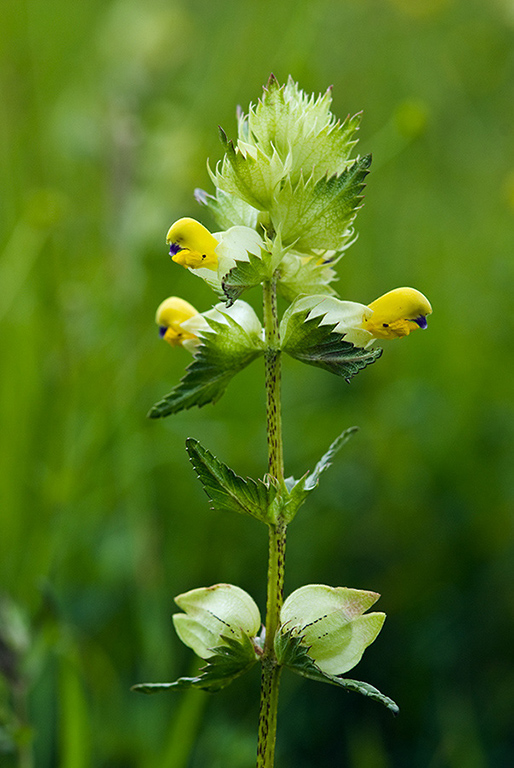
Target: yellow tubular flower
x=191, y=245
x=169, y=316
x=397, y=313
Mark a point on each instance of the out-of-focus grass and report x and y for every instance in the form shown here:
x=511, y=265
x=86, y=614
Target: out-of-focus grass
x=109, y=111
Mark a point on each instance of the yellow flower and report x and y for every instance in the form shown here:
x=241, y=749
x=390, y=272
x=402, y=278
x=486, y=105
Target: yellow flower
x=171, y=313
x=397, y=313
x=192, y=245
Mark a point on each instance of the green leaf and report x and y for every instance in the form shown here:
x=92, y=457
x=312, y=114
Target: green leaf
x=228, y=491
x=220, y=355
x=228, y=662
x=317, y=344
x=293, y=654
x=300, y=489
x=318, y=214
x=246, y=274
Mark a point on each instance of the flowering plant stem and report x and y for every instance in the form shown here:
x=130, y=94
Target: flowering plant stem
x=285, y=232
x=277, y=535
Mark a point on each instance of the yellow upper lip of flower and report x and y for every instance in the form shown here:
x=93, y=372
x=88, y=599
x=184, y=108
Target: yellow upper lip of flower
x=170, y=315
x=191, y=244
x=397, y=313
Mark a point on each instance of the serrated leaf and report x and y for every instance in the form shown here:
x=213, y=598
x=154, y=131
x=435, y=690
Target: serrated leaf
x=249, y=174
x=220, y=355
x=228, y=210
x=228, y=662
x=246, y=274
x=328, y=150
x=293, y=654
x=300, y=489
x=317, y=344
x=318, y=214
x=228, y=491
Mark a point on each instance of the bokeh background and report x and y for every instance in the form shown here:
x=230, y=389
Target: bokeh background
x=109, y=111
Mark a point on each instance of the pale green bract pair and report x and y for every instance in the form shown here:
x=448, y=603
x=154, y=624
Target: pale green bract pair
x=329, y=622
x=322, y=634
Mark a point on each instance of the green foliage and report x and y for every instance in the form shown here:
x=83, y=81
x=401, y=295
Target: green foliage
x=250, y=174
x=227, y=662
x=262, y=499
x=224, y=351
x=246, y=274
x=226, y=490
x=312, y=342
x=294, y=655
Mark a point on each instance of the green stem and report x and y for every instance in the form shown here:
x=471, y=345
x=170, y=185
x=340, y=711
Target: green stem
x=273, y=382
x=277, y=536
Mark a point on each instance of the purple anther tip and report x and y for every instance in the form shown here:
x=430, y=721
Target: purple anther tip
x=174, y=248
x=162, y=331
x=421, y=321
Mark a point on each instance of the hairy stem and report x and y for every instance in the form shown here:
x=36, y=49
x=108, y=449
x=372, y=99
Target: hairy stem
x=277, y=535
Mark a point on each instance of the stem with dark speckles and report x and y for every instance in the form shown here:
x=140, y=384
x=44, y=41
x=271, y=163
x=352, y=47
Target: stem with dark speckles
x=277, y=536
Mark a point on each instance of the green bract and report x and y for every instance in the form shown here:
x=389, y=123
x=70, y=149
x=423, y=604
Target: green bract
x=317, y=329
x=230, y=338
x=299, y=128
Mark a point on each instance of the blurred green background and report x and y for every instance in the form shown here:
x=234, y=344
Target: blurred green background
x=109, y=111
